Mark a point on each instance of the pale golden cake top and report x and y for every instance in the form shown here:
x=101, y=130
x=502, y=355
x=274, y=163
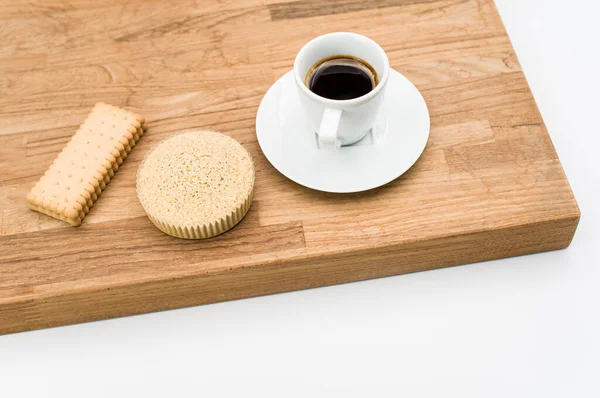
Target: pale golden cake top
x=195, y=178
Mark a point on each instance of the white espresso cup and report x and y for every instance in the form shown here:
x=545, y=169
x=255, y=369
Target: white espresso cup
x=341, y=122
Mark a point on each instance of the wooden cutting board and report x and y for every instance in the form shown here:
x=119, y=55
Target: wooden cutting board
x=489, y=184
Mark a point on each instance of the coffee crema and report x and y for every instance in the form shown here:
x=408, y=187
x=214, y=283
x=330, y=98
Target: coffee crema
x=341, y=77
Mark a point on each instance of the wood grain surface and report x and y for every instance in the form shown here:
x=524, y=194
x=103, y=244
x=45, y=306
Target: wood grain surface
x=489, y=184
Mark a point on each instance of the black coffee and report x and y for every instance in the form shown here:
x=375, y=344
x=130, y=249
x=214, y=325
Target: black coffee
x=341, y=78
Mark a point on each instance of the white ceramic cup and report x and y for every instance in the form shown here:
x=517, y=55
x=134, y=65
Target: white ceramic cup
x=341, y=122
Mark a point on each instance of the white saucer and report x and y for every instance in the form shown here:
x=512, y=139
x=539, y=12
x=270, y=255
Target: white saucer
x=292, y=148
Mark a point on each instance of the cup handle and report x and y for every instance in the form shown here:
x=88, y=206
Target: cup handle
x=329, y=127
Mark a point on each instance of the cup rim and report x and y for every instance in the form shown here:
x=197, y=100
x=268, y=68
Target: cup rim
x=364, y=98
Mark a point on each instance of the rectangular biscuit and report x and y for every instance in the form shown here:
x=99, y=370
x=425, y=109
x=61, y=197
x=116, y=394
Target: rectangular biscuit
x=99, y=189
x=86, y=164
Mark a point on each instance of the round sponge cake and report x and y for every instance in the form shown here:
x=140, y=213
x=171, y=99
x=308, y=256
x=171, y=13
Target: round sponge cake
x=196, y=184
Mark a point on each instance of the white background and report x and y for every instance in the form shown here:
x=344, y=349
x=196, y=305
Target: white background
x=521, y=327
